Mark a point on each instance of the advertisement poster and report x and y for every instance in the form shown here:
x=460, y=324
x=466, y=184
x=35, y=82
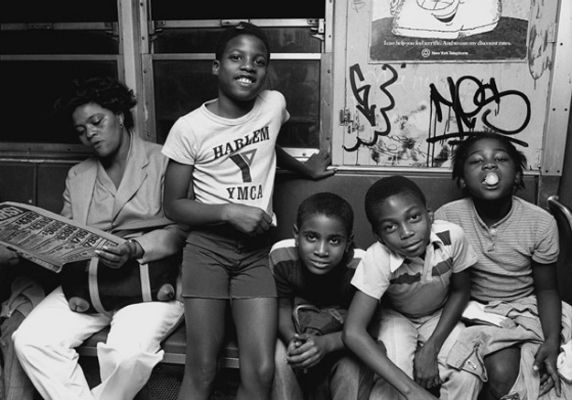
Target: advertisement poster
x=449, y=30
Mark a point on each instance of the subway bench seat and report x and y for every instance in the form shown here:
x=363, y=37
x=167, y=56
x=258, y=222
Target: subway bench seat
x=174, y=347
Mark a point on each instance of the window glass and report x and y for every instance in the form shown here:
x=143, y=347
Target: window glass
x=57, y=11
x=31, y=89
x=227, y=9
x=45, y=46
x=204, y=40
x=182, y=86
x=40, y=41
x=299, y=82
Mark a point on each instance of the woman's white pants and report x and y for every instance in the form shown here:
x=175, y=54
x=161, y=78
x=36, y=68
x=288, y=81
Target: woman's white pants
x=45, y=345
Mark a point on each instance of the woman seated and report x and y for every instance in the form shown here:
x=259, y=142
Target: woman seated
x=118, y=190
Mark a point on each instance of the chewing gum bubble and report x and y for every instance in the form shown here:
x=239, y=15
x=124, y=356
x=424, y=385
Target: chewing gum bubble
x=491, y=179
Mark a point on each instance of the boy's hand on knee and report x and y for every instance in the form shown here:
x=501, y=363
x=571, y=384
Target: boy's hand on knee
x=247, y=219
x=545, y=365
x=546, y=384
x=425, y=368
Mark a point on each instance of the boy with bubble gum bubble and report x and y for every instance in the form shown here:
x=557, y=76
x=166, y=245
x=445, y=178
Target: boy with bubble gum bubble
x=515, y=275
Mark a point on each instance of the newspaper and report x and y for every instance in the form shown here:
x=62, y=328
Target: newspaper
x=49, y=239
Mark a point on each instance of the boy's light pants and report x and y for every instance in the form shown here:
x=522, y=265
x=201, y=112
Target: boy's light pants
x=401, y=337
x=45, y=345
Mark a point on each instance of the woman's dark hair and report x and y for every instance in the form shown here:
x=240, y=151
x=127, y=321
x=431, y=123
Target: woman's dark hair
x=104, y=91
x=387, y=187
x=329, y=204
x=462, y=153
x=243, y=28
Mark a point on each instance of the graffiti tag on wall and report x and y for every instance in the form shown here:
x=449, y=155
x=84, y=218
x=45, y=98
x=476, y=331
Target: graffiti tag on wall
x=465, y=105
x=483, y=95
x=362, y=96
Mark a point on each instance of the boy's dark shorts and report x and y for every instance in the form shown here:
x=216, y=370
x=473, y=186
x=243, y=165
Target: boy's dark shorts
x=222, y=263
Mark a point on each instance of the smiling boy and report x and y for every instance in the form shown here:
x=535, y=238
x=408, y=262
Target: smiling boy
x=421, y=270
x=220, y=182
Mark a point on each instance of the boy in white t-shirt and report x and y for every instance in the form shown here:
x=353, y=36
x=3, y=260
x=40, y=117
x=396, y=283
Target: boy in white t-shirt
x=220, y=181
x=421, y=270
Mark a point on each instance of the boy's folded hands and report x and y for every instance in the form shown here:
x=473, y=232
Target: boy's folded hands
x=305, y=350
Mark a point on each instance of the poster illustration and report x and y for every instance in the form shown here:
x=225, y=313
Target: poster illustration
x=449, y=30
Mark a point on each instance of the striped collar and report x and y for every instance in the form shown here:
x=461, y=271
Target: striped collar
x=397, y=260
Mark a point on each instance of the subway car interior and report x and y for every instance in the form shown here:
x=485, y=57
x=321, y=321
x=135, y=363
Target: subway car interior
x=382, y=89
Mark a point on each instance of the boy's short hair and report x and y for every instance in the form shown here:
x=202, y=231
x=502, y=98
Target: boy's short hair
x=242, y=28
x=461, y=154
x=329, y=204
x=386, y=187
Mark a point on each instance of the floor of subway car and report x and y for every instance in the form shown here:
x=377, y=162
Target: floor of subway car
x=166, y=379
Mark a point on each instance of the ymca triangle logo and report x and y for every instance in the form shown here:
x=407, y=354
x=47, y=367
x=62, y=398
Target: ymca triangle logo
x=248, y=156
x=244, y=161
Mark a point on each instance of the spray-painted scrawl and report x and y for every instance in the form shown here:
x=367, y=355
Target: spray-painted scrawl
x=421, y=136
x=410, y=96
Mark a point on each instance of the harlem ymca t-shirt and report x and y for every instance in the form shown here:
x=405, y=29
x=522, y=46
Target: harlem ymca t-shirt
x=234, y=159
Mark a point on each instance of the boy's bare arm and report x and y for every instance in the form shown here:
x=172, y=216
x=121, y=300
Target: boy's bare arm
x=333, y=341
x=182, y=209
x=425, y=367
x=287, y=333
x=178, y=198
x=286, y=329
x=357, y=339
x=549, y=311
x=316, y=167
x=459, y=294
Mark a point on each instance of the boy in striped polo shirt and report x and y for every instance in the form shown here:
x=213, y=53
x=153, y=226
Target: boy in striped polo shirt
x=517, y=245
x=421, y=270
x=314, y=271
